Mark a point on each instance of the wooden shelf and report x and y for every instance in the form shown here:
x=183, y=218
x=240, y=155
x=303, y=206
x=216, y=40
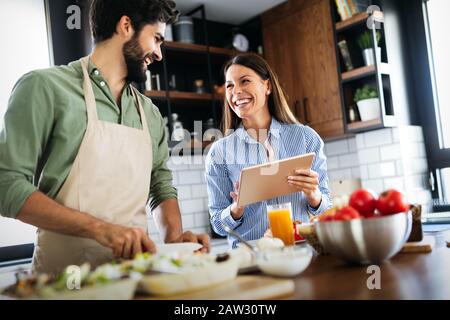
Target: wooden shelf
x=364, y=71
x=358, y=73
x=190, y=95
x=179, y=95
x=155, y=94
x=185, y=46
x=364, y=124
x=199, y=48
x=358, y=19
x=224, y=51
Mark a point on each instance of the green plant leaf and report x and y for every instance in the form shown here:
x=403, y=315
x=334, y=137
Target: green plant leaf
x=365, y=39
x=366, y=92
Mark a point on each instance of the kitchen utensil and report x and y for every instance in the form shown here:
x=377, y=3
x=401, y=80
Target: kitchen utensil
x=365, y=241
x=183, y=29
x=255, y=250
x=424, y=246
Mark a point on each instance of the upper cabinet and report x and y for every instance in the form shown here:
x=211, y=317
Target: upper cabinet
x=299, y=44
x=336, y=72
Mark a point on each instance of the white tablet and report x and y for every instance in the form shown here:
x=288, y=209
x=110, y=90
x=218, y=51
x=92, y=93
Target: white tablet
x=269, y=180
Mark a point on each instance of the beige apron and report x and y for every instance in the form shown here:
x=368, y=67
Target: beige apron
x=110, y=179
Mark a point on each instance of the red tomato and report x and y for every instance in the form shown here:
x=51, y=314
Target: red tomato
x=346, y=213
x=328, y=218
x=328, y=215
x=296, y=235
x=363, y=201
x=392, y=201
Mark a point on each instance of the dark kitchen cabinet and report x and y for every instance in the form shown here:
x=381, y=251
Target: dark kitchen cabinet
x=299, y=44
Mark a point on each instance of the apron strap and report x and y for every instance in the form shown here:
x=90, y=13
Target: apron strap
x=91, y=105
x=140, y=109
x=89, y=96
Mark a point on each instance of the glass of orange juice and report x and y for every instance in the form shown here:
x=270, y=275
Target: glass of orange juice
x=280, y=221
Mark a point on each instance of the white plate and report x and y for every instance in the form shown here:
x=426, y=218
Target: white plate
x=184, y=247
x=175, y=283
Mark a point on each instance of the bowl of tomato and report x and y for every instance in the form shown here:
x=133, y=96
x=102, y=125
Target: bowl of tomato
x=369, y=229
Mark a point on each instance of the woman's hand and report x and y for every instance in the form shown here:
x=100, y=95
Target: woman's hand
x=236, y=212
x=307, y=181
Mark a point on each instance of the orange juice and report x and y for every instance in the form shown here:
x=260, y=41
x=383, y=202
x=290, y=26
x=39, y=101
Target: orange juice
x=281, y=225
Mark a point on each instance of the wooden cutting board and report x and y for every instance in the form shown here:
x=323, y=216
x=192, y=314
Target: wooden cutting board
x=424, y=246
x=242, y=288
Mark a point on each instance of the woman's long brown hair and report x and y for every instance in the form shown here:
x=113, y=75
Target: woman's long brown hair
x=278, y=106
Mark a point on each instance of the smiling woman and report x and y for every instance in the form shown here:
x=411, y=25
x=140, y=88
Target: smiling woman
x=260, y=128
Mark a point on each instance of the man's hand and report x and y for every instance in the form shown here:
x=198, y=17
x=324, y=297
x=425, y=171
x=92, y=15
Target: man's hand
x=125, y=242
x=188, y=236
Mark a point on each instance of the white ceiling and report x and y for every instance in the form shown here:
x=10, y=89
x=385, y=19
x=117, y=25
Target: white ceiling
x=229, y=11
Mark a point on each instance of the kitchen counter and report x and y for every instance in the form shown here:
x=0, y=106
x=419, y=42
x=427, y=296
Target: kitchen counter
x=405, y=276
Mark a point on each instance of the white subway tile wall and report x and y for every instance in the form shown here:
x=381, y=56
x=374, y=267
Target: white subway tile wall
x=342, y=159
x=188, y=173
x=364, y=172
x=378, y=137
x=391, y=152
x=383, y=159
x=369, y=155
x=333, y=162
x=340, y=174
x=348, y=160
x=352, y=147
x=374, y=184
x=336, y=147
x=382, y=170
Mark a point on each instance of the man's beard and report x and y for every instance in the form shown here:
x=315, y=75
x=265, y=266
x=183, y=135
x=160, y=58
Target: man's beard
x=134, y=60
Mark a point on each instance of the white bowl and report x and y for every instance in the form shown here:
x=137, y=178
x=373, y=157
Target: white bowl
x=288, y=262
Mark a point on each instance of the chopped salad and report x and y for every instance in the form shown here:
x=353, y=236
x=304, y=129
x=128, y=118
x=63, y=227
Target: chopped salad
x=29, y=286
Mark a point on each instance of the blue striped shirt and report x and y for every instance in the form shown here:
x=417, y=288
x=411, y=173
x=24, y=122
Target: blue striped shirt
x=228, y=156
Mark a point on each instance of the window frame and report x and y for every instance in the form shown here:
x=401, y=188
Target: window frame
x=438, y=157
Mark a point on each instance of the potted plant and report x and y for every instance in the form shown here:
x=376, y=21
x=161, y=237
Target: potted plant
x=368, y=103
x=365, y=43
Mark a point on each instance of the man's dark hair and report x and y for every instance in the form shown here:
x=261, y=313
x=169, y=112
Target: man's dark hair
x=105, y=14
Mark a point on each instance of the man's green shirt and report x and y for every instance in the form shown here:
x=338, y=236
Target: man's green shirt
x=45, y=123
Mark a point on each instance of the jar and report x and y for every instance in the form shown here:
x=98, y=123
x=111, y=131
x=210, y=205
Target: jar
x=183, y=29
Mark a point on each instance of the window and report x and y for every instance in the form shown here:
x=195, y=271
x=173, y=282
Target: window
x=25, y=47
x=439, y=51
x=438, y=46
